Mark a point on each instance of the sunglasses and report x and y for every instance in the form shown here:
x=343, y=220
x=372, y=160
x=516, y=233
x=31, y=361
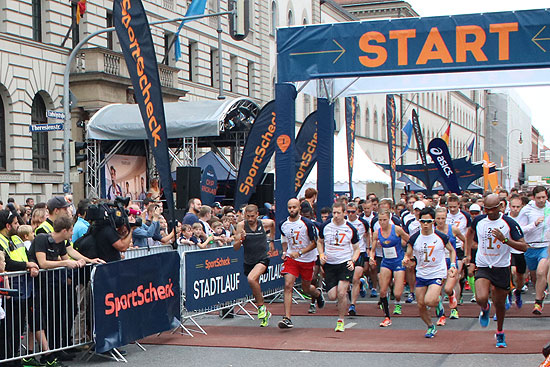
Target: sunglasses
x=352, y=211
x=426, y=221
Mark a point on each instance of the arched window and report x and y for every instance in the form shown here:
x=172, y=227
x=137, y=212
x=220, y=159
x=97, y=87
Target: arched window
x=307, y=105
x=384, y=127
x=2, y=135
x=274, y=18
x=367, y=123
x=40, y=160
x=337, y=114
x=290, y=18
x=358, y=122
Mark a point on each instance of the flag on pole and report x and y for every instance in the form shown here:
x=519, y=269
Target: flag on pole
x=407, y=129
x=197, y=7
x=447, y=134
x=80, y=10
x=471, y=148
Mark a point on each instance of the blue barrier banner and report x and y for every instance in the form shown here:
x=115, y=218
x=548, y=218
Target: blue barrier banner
x=135, y=298
x=306, y=150
x=259, y=147
x=209, y=185
x=440, y=155
x=216, y=276
x=469, y=42
x=136, y=42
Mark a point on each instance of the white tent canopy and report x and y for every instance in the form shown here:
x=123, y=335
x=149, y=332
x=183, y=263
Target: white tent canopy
x=365, y=170
x=183, y=119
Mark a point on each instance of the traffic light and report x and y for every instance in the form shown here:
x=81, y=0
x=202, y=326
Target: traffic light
x=239, y=21
x=77, y=157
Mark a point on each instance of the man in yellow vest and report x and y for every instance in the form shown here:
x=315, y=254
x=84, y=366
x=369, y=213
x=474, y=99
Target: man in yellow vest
x=57, y=206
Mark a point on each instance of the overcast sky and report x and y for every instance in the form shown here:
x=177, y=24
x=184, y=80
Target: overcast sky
x=537, y=98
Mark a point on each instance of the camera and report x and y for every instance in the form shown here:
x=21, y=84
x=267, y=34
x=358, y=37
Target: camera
x=110, y=213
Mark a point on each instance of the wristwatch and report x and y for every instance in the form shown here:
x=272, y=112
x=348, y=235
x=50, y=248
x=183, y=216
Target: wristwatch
x=505, y=240
x=300, y=252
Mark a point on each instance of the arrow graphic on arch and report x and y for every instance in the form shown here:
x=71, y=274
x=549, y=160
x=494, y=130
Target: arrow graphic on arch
x=341, y=51
x=535, y=39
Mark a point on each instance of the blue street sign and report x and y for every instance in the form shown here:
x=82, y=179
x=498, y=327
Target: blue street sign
x=55, y=115
x=472, y=42
x=45, y=127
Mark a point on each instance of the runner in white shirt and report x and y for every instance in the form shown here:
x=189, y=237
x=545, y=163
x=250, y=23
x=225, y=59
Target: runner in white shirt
x=428, y=247
x=519, y=266
x=494, y=234
x=362, y=263
x=298, y=237
x=461, y=220
x=338, y=248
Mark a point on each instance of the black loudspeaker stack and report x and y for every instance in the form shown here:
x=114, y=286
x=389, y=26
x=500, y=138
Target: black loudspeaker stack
x=188, y=185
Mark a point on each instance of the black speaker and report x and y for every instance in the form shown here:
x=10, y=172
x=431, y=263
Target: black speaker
x=188, y=185
x=264, y=194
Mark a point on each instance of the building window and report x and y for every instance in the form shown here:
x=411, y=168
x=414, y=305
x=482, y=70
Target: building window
x=214, y=67
x=169, y=47
x=233, y=77
x=358, y=122
x=337, y=114
x=2, y=135
x=39, y=140
x=75, y=32
x=290, y=19
x=367, y=123
x=274, y=21
x=375, y=125
x=37, y=20
x=384, y=128
x=109, y=20
x=250, y=79
x=192, y=57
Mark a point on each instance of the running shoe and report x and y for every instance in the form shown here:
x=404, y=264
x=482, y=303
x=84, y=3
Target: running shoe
x=265, y=320
x=373, y=293
x=340, y=326
x=452, y=300
x=473, y=299
x=510, y=294
x=538, y=309
x=261, y=312
x=31, y=362
x=397, y=310
x=386, y=322
x=431, y=332
x=524, y=288
x=484, y=316
x=495, y=317
x=441, y=321
x=363, y=289
x=312, y=308
x=320, y=299
x=507, y=303
x=54, y=363
x=351, y=310
x=461, y=300
x=467, y=287
x=519, y=301
x=501, y=340
x=410, y=298
x=454, y=314
x=439, y=310
x=285, y=323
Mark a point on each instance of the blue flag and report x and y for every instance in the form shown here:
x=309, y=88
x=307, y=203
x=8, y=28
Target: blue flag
x=471, y=148
x=407, y=129
x=197, y=7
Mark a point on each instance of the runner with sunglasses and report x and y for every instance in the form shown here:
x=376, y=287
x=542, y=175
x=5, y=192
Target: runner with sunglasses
x=390, y=238
x=428, y=248
x=494, y=234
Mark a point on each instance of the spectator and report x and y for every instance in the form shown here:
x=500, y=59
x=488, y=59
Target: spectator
x=186, y=236
x=191, y=217
x=26, y=234
x=154, y=191
x=205, y=214
x=30, y=202
x=217, y=210
x=81, y=225
x=150, y=230
x=39, y=216
x=57, y=207
x=219, y=234
x=3, y=284
x=203, y=241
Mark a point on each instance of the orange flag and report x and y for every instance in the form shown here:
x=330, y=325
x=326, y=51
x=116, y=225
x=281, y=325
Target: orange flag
x=447, y=134
x=80, y=10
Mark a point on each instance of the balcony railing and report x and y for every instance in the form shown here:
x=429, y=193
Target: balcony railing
x=111, y=62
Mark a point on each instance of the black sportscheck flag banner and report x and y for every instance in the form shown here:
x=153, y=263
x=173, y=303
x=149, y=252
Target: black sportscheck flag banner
x=134, y=35
x=260, y=146
x=306, y=150
x=351, y=118
x=420, y=147
x=392, y=142
x=439, y=151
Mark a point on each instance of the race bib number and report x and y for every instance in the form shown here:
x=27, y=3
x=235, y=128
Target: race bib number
x=389, y=252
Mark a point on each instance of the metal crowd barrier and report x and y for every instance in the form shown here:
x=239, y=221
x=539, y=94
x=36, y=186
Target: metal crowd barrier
x=144, y=251
x=50, y=313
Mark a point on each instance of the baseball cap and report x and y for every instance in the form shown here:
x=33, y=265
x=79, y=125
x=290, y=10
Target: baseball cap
x=475, y=208
x=217, y=205
x=57, y=202
x=419, y=205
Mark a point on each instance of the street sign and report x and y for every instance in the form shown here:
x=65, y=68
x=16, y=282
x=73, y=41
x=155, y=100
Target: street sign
x=458, y=43
x=45, y=127
x=55, y=115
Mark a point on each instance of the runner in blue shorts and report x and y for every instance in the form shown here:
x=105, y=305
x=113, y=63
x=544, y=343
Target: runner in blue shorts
x=390, y=237
x=428, y=247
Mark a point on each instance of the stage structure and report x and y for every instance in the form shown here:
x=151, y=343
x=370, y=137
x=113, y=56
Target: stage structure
x=214, y=124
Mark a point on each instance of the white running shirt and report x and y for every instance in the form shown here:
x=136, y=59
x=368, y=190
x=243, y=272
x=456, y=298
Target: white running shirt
x=339, y=241
x=430, y=254
x=298, y=235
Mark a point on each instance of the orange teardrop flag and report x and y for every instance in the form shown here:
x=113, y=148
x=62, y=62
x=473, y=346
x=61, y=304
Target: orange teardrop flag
x=283, y=141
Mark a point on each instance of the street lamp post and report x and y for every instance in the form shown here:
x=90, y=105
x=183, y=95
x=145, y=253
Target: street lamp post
x=520, y=141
